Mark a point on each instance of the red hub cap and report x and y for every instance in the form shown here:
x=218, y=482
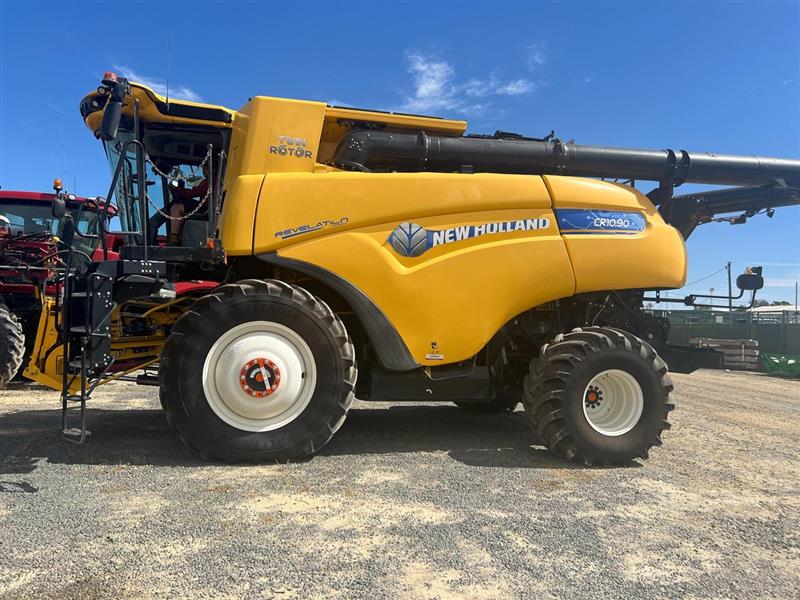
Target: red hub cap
x=593, y=397
x=260, y=377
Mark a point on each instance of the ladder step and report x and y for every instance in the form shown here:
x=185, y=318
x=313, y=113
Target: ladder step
x=74, y=434
x=83, y=330
x=74, y=367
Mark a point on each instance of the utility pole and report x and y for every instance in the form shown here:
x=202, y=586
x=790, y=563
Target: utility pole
x=730, y=297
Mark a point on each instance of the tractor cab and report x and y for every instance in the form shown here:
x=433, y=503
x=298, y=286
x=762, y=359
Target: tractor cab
x=27, y=218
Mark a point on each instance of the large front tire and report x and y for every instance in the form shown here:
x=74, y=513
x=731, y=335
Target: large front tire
x=12, y=345
x=257, y=371
x=599, y=396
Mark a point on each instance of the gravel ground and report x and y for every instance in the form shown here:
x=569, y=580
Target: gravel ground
x=407, y=501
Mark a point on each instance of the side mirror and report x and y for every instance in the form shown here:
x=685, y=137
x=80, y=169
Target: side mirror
x=112, y=115
x=749, y=281
x=111, y=119
x=59, y=207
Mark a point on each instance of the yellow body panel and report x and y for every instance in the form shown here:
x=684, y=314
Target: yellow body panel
x=654, y=258
x=447, y=305
x=236, y=220
x=340, y=201
x=47, y=363
x=448, y=302
x=276, y=135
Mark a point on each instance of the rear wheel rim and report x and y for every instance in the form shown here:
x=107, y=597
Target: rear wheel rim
x=259, y=376
x=613, y=402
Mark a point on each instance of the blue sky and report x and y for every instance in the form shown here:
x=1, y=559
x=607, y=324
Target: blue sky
x=699, y=76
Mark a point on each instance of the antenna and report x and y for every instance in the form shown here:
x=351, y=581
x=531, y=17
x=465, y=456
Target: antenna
x=168, y=61
x=63, y=150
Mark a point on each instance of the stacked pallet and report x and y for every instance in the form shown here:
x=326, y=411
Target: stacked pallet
x=738, y=354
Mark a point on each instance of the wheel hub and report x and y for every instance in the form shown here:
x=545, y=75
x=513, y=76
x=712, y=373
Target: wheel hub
x=260, y=377
x=593, y=396
x=613, y=402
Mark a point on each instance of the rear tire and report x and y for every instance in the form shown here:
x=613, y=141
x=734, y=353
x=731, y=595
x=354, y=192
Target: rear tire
x=257, y=371
x=12, y=345
x=599, y=396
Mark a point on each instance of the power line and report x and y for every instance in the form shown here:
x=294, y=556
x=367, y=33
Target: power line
x=706, y=277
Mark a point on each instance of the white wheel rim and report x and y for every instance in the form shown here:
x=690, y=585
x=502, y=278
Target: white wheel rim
x=247, y=404
x=613, y=402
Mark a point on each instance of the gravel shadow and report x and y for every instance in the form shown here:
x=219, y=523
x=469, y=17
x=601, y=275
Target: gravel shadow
x=143, y=437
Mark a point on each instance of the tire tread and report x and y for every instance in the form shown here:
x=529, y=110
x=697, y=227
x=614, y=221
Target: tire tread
x=544, y=389
x=276, y=289
x=12, y=345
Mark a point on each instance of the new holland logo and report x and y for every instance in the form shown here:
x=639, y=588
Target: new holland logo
x=410, y=239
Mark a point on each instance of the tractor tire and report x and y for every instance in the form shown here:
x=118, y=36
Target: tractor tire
x=29, y=326
x=257, y=371
x=599, y=396
x=12, y=345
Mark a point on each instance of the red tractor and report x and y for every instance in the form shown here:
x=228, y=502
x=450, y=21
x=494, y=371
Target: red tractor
x=31, y=248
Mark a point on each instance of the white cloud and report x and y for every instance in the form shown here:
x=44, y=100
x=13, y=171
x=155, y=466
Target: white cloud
x=536, y=55
x=436, y=87
x=517, y=87
x=159, y=86
x=433, y=85
x=479, y=88
x=782, y=282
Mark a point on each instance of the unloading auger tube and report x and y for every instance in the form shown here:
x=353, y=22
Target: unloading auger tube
x=381, y=150
x=770, y=182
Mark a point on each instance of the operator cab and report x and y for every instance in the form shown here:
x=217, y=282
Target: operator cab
x=181, y=148
x=177, y=163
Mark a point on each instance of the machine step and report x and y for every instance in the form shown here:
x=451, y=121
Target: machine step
x=84, y=330
x=75, y=434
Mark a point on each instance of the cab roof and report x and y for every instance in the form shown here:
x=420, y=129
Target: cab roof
x=47, y=197
x=156, y=108
x=38, y=196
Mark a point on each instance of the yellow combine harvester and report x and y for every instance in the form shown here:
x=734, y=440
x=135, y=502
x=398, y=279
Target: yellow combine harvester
x=384, y=256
